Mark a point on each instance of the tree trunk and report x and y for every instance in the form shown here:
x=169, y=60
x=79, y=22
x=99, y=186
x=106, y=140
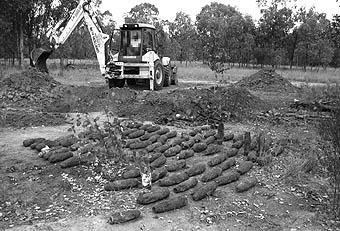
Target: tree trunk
x=293, y=49
x=13, y=59
x=21, y=42
x=30, y=47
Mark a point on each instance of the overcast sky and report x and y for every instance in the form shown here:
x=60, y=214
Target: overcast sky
x=168, y=8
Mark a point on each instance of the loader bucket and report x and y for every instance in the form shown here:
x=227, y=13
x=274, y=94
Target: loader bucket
x=39, y=57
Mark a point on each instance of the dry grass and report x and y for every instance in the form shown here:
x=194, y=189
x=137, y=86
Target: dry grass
x=78, y=77
x=330, y=75
x=315, y=93
x=88, y=71
x=70, y=76
x=199, y=71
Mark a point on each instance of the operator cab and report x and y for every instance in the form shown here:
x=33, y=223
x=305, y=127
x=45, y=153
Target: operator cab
x=136, y=40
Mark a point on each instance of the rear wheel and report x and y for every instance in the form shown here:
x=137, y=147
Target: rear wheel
x=168, y=75
x=116, y=83
x=158, y=81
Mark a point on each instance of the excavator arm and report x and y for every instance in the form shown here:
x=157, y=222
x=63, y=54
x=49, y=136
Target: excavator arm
x=63, y=29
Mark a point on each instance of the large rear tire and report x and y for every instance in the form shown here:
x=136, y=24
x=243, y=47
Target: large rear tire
x=158, y=81
x=116, y=83
x=168, y=76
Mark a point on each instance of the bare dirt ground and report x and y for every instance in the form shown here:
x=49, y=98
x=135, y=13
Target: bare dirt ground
x=38, y=195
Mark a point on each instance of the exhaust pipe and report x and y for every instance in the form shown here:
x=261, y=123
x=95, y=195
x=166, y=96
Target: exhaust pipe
x=39, y=57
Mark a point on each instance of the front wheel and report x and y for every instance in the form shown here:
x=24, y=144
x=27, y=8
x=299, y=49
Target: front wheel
x=158, y=80
x=116, y=83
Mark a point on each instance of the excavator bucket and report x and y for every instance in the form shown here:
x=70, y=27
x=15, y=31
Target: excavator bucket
x=39, y=57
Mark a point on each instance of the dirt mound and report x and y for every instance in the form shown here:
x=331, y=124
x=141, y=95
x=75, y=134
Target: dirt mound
x=195, y=105
x=267, y=80
x=19, y=118
x=35, y=90
x=85, y=99
x=28, y=88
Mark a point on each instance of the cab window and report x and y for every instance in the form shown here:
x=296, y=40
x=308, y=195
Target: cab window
x=131, y=43
x=148, y=41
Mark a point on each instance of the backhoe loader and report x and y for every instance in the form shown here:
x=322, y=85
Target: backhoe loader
x=136, y=60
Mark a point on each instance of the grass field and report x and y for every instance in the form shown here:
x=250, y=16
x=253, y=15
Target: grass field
x=198, y=71
x=84, y=71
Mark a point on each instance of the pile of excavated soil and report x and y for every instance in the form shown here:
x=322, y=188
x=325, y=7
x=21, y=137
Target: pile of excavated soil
x=23, y=95
x=19, y=118
x=86, y=99
x=195, y=105
x=29, y=88
x=192, y=105
x=267, y=80
x=38, y=91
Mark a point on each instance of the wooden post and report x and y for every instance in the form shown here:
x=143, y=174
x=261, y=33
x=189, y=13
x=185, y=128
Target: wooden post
x=261, y=144
x=246, y=143
x=220, y=133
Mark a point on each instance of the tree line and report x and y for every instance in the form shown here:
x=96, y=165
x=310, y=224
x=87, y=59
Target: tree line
x=220, y=35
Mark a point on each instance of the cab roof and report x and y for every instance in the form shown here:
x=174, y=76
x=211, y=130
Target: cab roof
x=136, y=26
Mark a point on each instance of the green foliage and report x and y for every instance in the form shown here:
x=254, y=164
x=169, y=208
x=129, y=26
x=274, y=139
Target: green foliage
x=264, y=3
x=7, y=37
x=107, y=20
x=336, y=30
x=272, y=33
x=183, y=36
x=226, y=35
x=29, y=20
x=143, y=13
x=106, y=134
x=335, y=34
x=220, y=36
x=275, y=25
x=35, y=18
x=314, y=45
x=106, y=148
